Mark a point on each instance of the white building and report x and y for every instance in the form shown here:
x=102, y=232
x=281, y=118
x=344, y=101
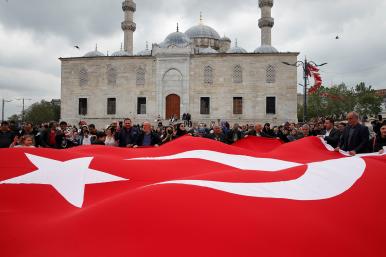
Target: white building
x=196, y=72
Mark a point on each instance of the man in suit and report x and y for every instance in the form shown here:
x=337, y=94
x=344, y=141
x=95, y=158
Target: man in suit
x=331, y=135
x=355, y=138
x=258, y=132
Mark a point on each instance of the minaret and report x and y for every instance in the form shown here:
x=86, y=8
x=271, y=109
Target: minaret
x=128, y=26
x=266, y=23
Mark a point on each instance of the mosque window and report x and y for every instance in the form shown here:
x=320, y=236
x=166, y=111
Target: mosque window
x=111, y=106
x=82, y=107
x=270, y=74
x=141, y=105
x=111, y=75
x=83, y=77
x=204, y=105
x=237, y=74
x=237, y=105
x=140, y=77
x=271, y=105
x=208, y=75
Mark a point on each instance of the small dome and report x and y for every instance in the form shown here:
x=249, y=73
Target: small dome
x=176, y=39
x=146, y=51
x=120, y=53
x=237, y=50
x=94, y=53
x=208, y=50
x=202, y=31
x=266, y=49
x=224, y=38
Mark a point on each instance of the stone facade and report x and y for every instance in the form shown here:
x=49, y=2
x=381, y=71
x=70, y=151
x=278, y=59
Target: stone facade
x=181, y=74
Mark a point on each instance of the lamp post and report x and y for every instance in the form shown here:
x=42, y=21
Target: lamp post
x=2, y=110
x=22, y=112
x=304, y=64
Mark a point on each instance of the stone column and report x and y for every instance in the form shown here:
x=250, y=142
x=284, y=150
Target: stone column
x=128, y=26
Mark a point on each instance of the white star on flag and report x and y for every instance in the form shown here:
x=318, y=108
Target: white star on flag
x=68, y=178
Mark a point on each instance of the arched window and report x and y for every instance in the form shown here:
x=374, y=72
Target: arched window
x=270, y=74
x=237, y=74
x=140, y=77
x=111, y=75
x=83, y=77
x=208, y=75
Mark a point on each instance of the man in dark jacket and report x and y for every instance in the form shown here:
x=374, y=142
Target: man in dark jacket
x=331, y=135
x=148, y=137
x=217, y=134
x=6, y=135
x=128, y=135
x=258, y=131
x=355, y=138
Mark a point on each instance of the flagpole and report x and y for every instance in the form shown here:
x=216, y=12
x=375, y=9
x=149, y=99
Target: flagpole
x=304, y=64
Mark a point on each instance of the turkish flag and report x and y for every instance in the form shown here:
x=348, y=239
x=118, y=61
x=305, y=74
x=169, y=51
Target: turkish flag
x=192, y=197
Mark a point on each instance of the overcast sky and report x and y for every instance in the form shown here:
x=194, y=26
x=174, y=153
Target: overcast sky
x=35, y=33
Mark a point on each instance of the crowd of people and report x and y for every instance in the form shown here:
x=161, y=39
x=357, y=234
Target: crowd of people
x=350, y=136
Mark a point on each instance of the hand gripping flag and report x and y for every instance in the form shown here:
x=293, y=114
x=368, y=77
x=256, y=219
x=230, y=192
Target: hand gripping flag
x=193, y=197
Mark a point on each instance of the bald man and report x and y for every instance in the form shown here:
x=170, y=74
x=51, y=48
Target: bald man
x=355, y=138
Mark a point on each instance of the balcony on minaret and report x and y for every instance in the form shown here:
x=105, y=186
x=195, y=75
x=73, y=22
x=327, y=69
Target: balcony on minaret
x=128, y=5
x=128, y=25
x=266, y=22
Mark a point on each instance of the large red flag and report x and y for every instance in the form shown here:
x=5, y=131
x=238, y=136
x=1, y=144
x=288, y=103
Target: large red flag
x=192, y=197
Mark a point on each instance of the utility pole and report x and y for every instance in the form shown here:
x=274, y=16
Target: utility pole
x=304, y=64
x=2, y=110
x=22, y=112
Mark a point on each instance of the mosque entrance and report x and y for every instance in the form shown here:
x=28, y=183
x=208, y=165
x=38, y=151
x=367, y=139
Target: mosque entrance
x=173, y=106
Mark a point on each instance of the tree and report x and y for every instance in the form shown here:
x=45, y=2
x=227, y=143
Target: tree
x=339, y=100
x=15, y=118
x=368, y=102
x=41, y=112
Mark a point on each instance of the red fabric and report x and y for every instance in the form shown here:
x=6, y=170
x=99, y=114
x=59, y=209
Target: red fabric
x=137, y=218
x=51, y=137
x=258, y=144
x=313, y=71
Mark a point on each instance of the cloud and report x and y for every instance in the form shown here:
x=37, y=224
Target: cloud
x=33, y=34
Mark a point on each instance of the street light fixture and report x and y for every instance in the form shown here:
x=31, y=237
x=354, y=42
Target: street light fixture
x=22, y=112
x=304, y=64
x=2, y=110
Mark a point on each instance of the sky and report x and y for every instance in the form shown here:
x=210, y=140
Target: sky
x=35, y=33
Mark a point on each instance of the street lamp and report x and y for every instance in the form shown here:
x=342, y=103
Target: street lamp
x=304, y=64
x=22, y=112
x=2, y=110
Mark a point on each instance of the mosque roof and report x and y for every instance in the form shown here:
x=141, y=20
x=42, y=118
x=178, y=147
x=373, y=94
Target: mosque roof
x=177, y=39
x=202, y=31
x=266, y=49
x=94, y=53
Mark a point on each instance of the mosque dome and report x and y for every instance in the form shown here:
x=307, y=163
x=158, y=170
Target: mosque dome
x=236, y=49
x=202, y=31
x=224, y=38
x=146, y=51
x=94, y=53
x=176, y=39
x=120, y=53
x=266, y=49
x=207, y=50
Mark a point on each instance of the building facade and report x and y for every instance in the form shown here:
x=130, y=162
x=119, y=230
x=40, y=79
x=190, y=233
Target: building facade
x=196, y=72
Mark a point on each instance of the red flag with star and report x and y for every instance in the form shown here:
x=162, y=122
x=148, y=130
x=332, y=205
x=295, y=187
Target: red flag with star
x=192, y=197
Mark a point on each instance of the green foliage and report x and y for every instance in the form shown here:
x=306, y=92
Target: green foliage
x=338, y=100
x=41, y=112
x=16, y=118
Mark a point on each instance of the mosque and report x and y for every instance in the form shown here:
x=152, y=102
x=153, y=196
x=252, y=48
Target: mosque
x=195, y=71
